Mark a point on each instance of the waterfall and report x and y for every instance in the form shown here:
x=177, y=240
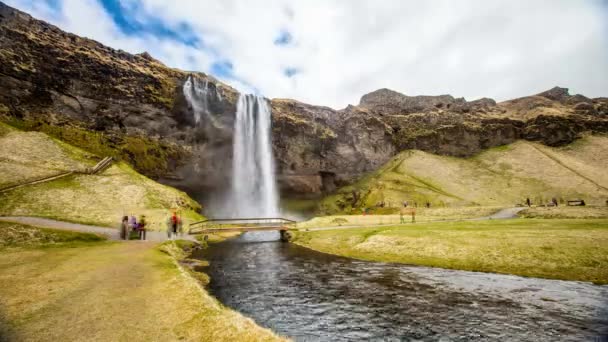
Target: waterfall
x=253, y=192
x=197, y=95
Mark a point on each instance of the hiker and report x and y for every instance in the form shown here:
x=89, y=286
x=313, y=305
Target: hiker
x=175, y=222
x=169, y=227
x=528, y=203
x=180, y=227
x=124, y=228
x=133, y=223
x=141, y=227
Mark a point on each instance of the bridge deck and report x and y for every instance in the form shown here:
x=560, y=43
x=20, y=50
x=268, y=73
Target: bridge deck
x=239, y=229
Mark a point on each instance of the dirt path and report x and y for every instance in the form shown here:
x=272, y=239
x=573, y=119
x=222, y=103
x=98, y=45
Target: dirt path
x=110, y=292
x=110, y=233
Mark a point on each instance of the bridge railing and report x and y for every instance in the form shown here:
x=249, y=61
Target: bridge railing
x=218, y=223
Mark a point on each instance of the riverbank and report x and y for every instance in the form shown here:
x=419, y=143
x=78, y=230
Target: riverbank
x=554, y=249
x=81, y=288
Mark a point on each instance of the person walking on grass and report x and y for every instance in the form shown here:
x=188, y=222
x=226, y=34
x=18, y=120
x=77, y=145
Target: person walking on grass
x=142, y=227
x=124, y=228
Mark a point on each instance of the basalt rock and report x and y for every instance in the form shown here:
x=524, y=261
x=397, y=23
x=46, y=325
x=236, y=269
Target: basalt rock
x=50, y=78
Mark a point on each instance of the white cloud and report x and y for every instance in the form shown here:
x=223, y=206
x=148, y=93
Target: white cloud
x=343, y=49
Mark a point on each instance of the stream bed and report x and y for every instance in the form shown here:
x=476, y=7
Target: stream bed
x=312, y=296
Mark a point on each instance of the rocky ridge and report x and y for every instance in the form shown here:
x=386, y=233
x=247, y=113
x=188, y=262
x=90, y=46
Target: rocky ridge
x=135, y=107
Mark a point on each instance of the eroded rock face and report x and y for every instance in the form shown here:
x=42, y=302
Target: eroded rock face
x=59, y=79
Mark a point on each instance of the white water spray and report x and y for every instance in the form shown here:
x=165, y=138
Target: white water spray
x=198, y=96
x=253, y=192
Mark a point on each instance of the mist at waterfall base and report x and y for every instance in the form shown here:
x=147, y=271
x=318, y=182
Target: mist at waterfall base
x=252, y=191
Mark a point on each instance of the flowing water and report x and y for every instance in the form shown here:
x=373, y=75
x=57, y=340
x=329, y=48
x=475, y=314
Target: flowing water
x=197, y=94
x=253, y=192
x=311, y=296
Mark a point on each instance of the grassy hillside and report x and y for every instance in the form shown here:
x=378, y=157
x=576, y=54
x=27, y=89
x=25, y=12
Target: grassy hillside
x=501, y=176
x=31, y=155
x=99, y=199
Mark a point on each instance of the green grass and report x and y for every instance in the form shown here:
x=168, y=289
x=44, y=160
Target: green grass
x=557, y=249
x=566, y=212
x=383, y=216
x=14, y=235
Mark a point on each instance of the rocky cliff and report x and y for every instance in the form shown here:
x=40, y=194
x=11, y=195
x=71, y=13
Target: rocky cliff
x=136, y=108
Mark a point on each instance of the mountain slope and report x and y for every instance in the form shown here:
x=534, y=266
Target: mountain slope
x=500, y=176
x=100, y=199
x=133, y=107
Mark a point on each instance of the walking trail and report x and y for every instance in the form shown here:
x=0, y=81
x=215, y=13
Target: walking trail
x=110, y=233
x=156, y=236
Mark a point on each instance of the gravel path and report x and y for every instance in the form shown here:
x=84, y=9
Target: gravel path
x=110, y=233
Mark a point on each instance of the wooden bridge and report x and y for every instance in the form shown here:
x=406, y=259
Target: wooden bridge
x=262, y=224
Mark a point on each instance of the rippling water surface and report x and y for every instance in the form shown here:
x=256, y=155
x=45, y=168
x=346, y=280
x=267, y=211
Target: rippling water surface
x=311, y=296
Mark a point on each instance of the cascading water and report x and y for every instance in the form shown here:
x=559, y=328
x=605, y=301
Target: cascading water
x=197, y=94
x=253, y=192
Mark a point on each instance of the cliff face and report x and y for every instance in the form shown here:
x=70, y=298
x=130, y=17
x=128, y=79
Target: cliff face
x=320, y=148
x=52, y=78
x=136, y=108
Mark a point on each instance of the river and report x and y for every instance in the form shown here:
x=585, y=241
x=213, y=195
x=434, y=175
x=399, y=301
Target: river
x=311, y=296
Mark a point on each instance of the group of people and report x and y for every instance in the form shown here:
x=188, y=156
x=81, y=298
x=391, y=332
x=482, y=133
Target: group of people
x=426, y=204
x=130, y=224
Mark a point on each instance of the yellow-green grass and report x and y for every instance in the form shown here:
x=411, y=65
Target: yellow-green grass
x=104, y=291
x=147, y=155
x=593, y=212
x=422, y=215
x=558, y=249
x=101, y=199
x=13, y=235
x=501, y=176
x=28, y=156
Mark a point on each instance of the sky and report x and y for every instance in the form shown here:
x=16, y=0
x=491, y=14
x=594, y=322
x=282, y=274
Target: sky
x=331, y=52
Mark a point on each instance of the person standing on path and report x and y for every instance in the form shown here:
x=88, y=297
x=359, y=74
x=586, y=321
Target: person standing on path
x=124, y=228
x=142, y=227
x=174, y=222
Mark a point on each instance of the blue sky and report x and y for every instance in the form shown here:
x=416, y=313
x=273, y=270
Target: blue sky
x=330, y=52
